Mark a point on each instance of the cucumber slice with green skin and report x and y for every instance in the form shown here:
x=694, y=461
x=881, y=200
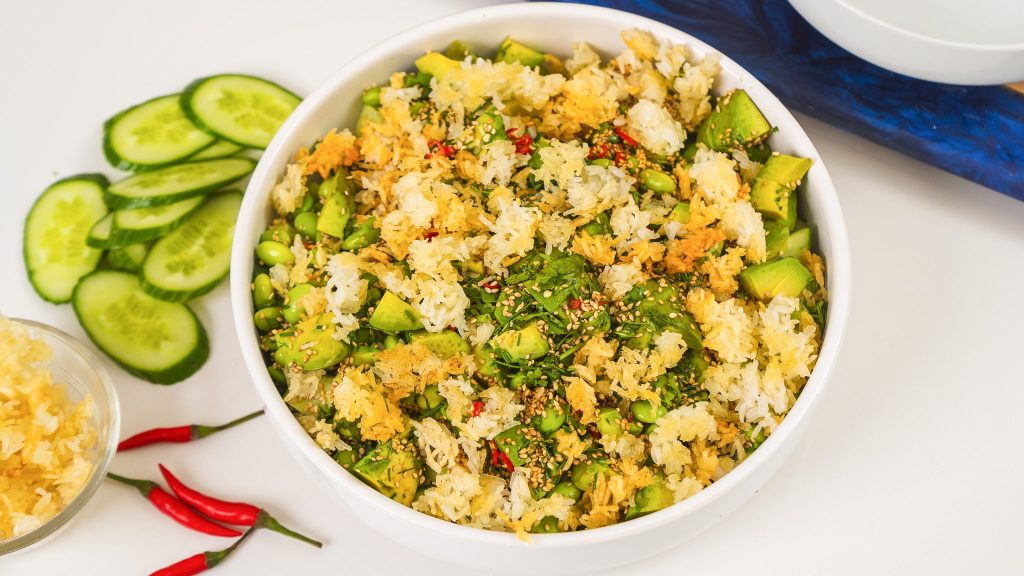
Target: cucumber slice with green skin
x=242, y=109
x=99, y=236
x=128, y=258
x=144, y=224
x=219, y=149
x=193, y=259
x=54, y=247
x=151, y=135
x=175, y=183
x=158, y=341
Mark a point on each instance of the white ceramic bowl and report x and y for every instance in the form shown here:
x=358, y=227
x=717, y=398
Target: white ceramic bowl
x=551, y=27
x=951, y=41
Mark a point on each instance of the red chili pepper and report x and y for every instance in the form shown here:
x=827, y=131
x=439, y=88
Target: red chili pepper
x=200, y=562
x=620, y=158
x=574, y=303
x=237, y=513
x=492, y=285
x=494, y=453
x=176, y=509
x=523, y=144
x=441, y=148
x=510, y=132
x=625, y=137
x=430, y=234
x=179, y=433
x=478, y=406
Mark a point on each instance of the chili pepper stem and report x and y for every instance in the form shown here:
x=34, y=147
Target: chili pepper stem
x=265, y=520
x=214, y=558
x=143, y=486
x=202, y=431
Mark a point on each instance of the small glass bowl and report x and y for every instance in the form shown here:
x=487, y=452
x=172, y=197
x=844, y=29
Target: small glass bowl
x=81, y=373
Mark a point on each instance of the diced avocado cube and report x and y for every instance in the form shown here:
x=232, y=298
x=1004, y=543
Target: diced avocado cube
x=525, y=344
x=310, y=344
x=368, y=115
x=651, y=498
x=485, y=361
x=458, y=50
x=584, y=474
x=786, y=276
x=776, y=238
x=514, y=52
x=797, y=242
x=771, y=199
x=786, y=170
x=511, y=442
x=436, y=64
x=364, y=355
x=393, y=314
x=445, y=344
x=339, y=204
x=791, y=215
x=734, y=123
x=681, y=213
x=394, y=473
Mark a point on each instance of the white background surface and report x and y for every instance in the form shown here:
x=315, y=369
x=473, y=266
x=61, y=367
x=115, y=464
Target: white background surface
x=912, y=465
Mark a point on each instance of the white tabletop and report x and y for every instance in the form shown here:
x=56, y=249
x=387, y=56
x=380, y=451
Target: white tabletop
x=912, y=466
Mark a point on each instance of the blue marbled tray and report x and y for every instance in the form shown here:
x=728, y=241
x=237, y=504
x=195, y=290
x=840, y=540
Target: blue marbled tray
x=975, y=132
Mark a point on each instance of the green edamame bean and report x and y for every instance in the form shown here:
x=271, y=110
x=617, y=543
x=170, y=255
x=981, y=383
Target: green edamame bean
x=546, y=525
x=307, y=203
x=643, y=411
x=657, y=181
x=364, y=355
x=272, y=252
x=371, y=97
x=553, y=418
x=276, y=374
x=609, y=422
x=293, y=313
x=268, y=319
x=305, y=224
x=281, y=232
x=364, y=234
x=262, y=291
x=635, y=428
x=603, y=162
x=568, y=489
x=390, y=341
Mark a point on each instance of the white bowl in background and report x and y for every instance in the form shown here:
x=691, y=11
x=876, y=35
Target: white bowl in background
x=973, y=42
x=551, y=27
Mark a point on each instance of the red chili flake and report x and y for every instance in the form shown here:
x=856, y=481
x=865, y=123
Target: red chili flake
x=598, y=152
x=594, y=433
x=506, y=461
x=494, y=453
x=453, y=328
x=510, y=132
x=620, y=158
x=491, y=285
x=309, y=245
x=625, y=137
x=443, y=149
x=478, y=406
x=430, y=234
x=574, y=303
x=523, y=144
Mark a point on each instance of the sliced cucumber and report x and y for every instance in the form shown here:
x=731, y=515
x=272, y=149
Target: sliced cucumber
x=219, y=149
x=54, y=247
x=151, y=135
x=155, y=340
x=143, y=224
x=128, y=258
x=100, y=235
x=242, y=109
x=176, y=183
x=193, y=259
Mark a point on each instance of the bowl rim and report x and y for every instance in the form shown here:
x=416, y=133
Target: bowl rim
x=112, y=409
x=892, y=28
x=296, y=438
